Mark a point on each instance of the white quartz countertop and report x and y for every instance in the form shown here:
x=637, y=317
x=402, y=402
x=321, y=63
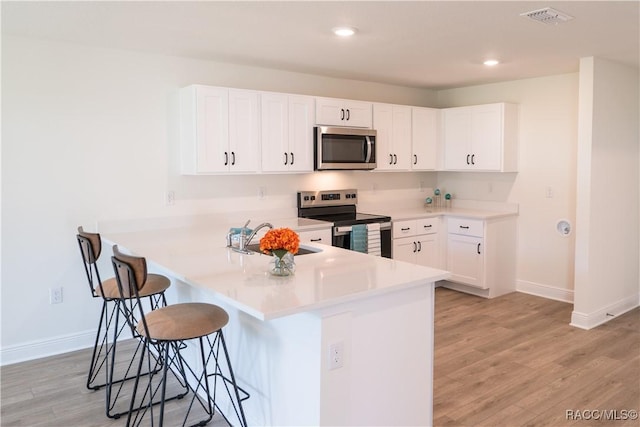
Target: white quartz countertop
x=406, y=214
x=198, y=256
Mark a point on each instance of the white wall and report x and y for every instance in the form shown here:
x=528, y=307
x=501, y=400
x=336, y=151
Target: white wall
x=92, y=134
x=607, y=280
x=548, y=137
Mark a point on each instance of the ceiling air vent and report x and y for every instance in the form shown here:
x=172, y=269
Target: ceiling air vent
x=548, y=16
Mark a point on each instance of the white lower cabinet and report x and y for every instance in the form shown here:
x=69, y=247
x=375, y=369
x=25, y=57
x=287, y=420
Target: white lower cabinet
x=417, y=241
x=465, y=251
x=322, y=236
x=481, y=254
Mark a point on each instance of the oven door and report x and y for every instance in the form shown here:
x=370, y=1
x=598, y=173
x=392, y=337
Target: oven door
x=342, y=238
x=344, y=149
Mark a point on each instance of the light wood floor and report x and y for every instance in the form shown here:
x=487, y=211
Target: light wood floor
x=515, y=361
x=509, y=361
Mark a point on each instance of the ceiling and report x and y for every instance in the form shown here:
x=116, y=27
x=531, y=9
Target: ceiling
x=425, y=44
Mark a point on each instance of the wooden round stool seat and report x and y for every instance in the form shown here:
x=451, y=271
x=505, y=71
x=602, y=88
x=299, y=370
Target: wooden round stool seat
x=156, y=284
x=184, y=321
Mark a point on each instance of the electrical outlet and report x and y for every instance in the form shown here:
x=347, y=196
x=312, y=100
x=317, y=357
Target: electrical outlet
x=548, y=192
x=55, y=295
x=336, y=355
x=171, y=198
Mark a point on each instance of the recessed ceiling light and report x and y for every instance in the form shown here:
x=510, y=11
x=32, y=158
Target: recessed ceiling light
x=344, y=31
x=491, y=62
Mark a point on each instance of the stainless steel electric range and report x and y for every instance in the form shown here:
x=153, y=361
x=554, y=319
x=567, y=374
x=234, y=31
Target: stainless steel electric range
x=340, y=208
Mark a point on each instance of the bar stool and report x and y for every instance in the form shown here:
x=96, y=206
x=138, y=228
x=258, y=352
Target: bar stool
x=165, y=332
x=103, y=357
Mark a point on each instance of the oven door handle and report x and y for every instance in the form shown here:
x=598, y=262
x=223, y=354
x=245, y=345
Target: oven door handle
x=346, y=229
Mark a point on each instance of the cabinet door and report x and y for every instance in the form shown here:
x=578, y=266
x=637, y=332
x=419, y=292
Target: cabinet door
x=212, y=152
x=358, y=114
x=486, y=134
x=424, y=139
x=244, y=133
x=405, y=249
x=274, y=125
x=301, y=114
x=330, y=112
x=465, y=260
x=457, y=138
x=401, y=137
x=383, y=124
x=427, y=253
x=316, y=236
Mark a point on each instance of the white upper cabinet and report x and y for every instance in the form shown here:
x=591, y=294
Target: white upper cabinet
x=287, y=132
x=481, y=138
x=425, y=127
x=393, y=141
x=343, y=112
x=218, y=130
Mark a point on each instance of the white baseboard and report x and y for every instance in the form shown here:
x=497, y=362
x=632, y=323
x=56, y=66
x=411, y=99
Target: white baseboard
x=46, y=347
x=603, y=315
x=545, y=291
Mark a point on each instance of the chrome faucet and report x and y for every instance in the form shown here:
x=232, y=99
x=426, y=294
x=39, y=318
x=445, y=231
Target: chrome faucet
x=246, y=240
x=244, y=243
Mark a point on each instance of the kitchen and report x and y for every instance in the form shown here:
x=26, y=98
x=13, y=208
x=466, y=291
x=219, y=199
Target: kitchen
x=95, y=103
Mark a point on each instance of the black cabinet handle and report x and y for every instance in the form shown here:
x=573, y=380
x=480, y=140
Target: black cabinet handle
x=226, y=158
x=317, y=240
x=348, y=114
x=415, y=159
x=292, y=158
x=419, y=246
x=233, y=158
x=405, y=229
x=395, y=159
x=478, y=249
x=466, y=227
x=468, y=160
x=286, y=158
x=415, y=247
x=428, y=226
x=390, y=159
x=472, y=159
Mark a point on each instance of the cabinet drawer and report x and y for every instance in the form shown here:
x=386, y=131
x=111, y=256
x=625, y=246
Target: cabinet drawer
x=404, y=228
x=466, y=227
x=316, y=236
x=427, y=225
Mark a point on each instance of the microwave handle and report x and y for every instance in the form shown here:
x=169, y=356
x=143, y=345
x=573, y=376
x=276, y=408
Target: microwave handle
x=368, y=157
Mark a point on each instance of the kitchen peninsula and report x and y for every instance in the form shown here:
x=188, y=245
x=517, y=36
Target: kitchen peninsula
x=346, y=340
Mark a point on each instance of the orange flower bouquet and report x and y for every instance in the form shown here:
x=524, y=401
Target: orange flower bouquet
x=282, y=243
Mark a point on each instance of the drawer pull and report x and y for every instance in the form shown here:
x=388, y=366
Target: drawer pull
x=405, y=229
x=466, y=227
x=478, y=248
x=428, y=226
x=317, y=240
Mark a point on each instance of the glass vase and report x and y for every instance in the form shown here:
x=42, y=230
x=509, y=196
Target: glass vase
x=282, y=266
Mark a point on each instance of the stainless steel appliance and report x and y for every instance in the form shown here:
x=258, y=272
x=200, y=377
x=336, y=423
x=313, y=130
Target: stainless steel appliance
x=344, y=148
x=339, y=208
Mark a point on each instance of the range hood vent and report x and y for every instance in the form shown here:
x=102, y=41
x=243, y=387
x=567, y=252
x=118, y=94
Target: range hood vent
x=548, y=15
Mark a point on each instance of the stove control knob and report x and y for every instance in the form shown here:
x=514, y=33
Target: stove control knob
x=306, y=198
x=348, y=196
x=313, y=197
x=353, y=196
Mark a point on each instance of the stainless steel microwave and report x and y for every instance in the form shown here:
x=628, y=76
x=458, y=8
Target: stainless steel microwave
x=341, y=148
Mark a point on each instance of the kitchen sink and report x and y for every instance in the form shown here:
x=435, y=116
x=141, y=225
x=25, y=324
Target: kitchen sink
x=302, y=250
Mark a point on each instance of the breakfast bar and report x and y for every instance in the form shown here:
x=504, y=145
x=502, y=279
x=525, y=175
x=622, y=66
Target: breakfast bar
x=346, y=340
